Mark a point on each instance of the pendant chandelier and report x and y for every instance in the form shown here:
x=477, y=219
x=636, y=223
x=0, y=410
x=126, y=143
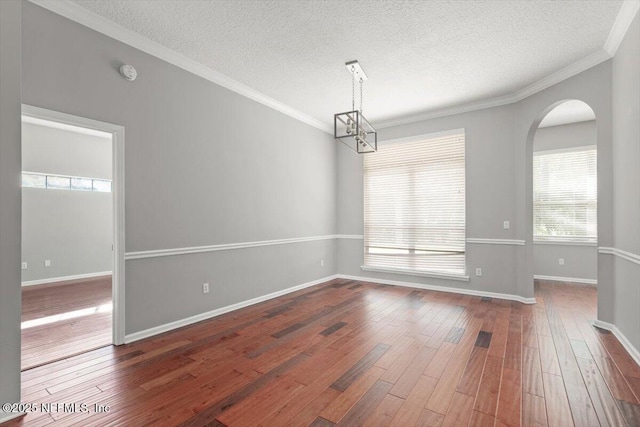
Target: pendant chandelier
x=351, y=127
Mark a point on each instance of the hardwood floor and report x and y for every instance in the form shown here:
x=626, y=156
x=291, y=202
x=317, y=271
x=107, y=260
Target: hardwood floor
x=353, y=353
x=62, y=320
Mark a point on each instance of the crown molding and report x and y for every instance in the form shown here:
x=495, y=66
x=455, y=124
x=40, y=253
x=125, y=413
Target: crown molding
x=109, y=28
x=89, y=19
x=621, y=25
x=563, y=74
x=569, y=71
x=447, y=111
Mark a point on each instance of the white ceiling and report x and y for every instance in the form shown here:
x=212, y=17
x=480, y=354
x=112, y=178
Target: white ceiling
x=573, y=111
x=420, y=56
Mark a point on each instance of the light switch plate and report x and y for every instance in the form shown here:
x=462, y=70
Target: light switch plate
x=506, y=225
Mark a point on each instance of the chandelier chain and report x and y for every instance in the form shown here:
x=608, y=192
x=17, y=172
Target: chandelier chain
x=353, y=88
x=361, y=95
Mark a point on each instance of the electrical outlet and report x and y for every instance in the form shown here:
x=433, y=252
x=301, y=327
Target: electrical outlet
x=561, y=261
x=47, y=263
x=321, y=263
x=24, y=265
x=205, y=288
x=478, y=272
x=506, y=225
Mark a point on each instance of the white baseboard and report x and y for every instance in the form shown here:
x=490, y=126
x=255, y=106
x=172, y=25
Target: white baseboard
x=566, y=279
x=66, y=278
x=635, y=354
x=136, y=336
x=129, y=338
x=473, y=292
x=8, y=416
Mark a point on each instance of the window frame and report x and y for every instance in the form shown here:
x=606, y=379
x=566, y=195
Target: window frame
x=565, y=239
x=451, y=274
x=47, y=176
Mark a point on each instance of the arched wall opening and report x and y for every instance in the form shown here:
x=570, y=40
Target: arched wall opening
x=564, y=115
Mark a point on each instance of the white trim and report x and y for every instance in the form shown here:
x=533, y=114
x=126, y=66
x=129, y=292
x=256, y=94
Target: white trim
x=225, y=247
x=425, y=136
x=10, y=416
x=448, y=111
x=566, y=150
x=620, y=253
x=566, y=279
x=64, y=126
x=550, y=80
x=563, y=74
x=109, y=28
x=65, y=278
x=462, y=291
x=496, y=241
x=621, y=25
x=217, y=312
x=117, y=189
x=350, y=236
x=407, y=272
x=633, y=352
x=564, y=242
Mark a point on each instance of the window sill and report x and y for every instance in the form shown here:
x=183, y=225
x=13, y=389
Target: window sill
x=564, y=242
x=437, y=275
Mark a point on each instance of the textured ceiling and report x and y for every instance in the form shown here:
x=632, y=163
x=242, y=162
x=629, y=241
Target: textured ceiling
x=419, y=56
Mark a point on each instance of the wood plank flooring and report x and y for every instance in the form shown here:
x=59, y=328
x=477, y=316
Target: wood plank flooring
x=65, y=319
x=354, y=353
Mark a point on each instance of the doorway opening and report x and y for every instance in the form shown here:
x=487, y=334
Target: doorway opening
x=565, y=182
x=72, y=236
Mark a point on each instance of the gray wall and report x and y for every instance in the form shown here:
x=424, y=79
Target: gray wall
x=10, y=295
x=59, y=151
x=204, y=166
x=489, y=198
x=73, y=229
x=499, y=164
x=566, y=136
x=580, y=261
x=626, y=145
x=592, y=86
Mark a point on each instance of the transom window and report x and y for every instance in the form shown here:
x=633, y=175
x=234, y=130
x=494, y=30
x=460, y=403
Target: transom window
x=63, y=182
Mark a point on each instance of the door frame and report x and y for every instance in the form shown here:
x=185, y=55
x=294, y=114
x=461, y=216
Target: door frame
x=117, y=150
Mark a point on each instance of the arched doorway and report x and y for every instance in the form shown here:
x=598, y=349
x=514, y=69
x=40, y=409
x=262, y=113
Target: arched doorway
x=562, y=155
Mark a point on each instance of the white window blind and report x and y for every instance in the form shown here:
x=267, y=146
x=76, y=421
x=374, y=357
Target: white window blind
x=414, y=205
x=565, y=194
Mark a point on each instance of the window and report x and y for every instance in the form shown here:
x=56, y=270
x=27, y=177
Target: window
x=414, y=205
x=565, y=195
x=63, y=182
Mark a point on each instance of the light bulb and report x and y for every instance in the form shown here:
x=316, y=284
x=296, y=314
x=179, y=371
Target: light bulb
x=349, y=130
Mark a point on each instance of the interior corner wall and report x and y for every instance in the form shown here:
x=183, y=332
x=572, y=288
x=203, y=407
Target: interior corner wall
x=499, y=178
x=626, y=149
x=10, y=291
x=204, y=166
x=580, y=261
